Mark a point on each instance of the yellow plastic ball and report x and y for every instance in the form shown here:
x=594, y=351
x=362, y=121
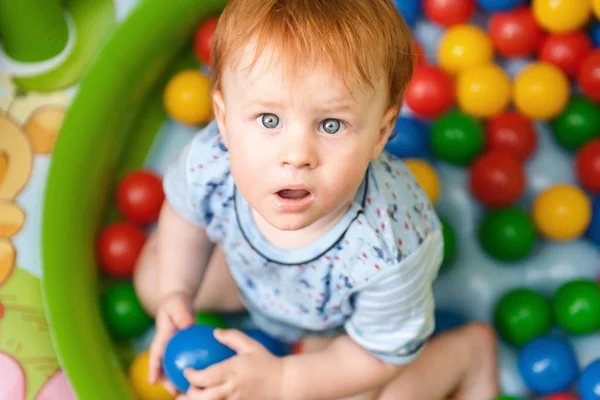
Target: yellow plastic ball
x=562, y=212
x=187, y=98
x=483, y=91
x=464, y=46
x=426, y=176
x=138, y=376
x=541, y=91
x=596, y=8
x=561, y=16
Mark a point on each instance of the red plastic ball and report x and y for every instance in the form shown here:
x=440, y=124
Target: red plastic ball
x=497, y=179
x=140, y=196
x=565, y=50
x=203, y=40
x=512, y=133
x=448, y=12
x=588, y=76
x=515, y=33
x=430, y=92
x=118, y=247
x=587, y=165
x=561, y=396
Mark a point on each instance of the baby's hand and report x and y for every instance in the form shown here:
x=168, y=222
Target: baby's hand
x=253, y=374
x=174, y=313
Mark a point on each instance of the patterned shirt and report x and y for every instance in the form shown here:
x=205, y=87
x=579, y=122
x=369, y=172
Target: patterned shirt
x=371, y=275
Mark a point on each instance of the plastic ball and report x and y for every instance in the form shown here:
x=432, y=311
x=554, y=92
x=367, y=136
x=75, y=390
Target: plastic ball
x=140, y=196
x=593, y=231
x=497, y=179
x=210, y=319
x=541, y=91
x=576, y=307
x=410, y=10
x=138, y=377
x=203, y=40
x=577, y=124
x=588, y=386
x=507, y=234
x=464, y=46
x=594, y=33
x=118, y=247
x=507, y=397
x=123, y=314
x=587, y=166
x=562, y=212
x=588, y=75
x=522, y=315
x=562, y=15
x=447, y=320
x=448, y=12
x=499, y=5
x=483, y=91
x=449, y=236
x=515, y=33
x=426, y=176
x=410, y=139
x=561, y=396
x=273, y=345
x=457, y=138
x=187, y=97
x=596, y=8
x=194, y=347
x=512, y=133
x=565, y=50
x=430, y=92
x=548, y=365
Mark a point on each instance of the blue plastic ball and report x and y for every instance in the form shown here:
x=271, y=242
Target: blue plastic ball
x=593, y=230
x=589, y=382
x=594, y=32
x=548, y=365
x=446, y=320
x=410, y=10
x=275, y=346
x=410, y=139
x=194, y=347
x=500, y=5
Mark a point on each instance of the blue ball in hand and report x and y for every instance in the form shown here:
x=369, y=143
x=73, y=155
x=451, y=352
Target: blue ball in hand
x=194, y=347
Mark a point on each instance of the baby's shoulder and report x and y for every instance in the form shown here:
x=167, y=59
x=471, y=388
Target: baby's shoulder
x=397, y=211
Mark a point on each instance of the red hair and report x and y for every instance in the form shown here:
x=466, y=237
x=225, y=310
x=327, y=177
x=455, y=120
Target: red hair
x=361, y=41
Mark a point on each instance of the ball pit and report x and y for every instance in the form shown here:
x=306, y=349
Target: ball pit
x=480, y=274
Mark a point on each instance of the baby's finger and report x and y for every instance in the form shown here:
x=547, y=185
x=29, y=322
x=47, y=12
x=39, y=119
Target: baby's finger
x=169, y=387
x=237, y=340
x=163, y=333
x=220, y=392
x=212, y=376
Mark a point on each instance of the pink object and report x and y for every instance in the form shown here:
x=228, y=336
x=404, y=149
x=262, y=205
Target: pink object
x=12, y=379
x=57, y=388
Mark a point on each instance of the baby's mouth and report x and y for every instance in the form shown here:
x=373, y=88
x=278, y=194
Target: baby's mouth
x=293, y=194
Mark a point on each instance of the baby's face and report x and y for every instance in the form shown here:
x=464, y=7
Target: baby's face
x=299, y=148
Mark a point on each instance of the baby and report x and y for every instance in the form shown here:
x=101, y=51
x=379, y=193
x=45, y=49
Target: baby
x=288, y=207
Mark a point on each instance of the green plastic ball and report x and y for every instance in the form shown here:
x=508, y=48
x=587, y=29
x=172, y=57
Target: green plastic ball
x=576, y=307
x=522, y=315
x=504, y=397
x=449, y=236
x=507, y=234
x=123, y=313
x=578, y=123
x=211, y=319
x=457, y=138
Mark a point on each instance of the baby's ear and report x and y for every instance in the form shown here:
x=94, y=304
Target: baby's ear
x=219, y=110
x=387, y=126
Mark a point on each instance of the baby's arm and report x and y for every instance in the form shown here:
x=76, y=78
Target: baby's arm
x=183, y=253
x=342, y=369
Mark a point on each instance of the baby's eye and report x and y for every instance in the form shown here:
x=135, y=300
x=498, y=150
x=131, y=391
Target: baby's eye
x=331, y=126
x=269, y=121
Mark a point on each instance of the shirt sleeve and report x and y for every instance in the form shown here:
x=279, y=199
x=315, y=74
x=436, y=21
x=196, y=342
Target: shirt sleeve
x=393, y=318
x=201, y=170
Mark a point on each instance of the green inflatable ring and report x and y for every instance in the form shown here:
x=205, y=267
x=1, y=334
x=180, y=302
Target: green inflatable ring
x=100, y=128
